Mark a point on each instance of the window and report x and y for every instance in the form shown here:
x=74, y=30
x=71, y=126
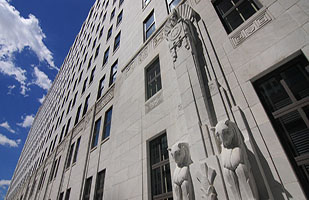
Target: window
x=113, y=74
x=67, y=194
x=76, y=150
x=161, y=185
x=94, y=43
x=87, y=189
x=172, y=4
x=70, y=156
x=92, y=75
x=153, y=79
x=57, y=167
x=107, y=123
x=74, y=100
x=98, y=27
x=89, y=63
x=77, y=115
x=119, y=18
x=112, y=14
x=80, y=76
x=101, y=87
x=75, y=83
x=109, y=33
x=52, y=170
x=146, y=2
x=41, y=182
x=149, y=26
x=97, y=51
x=105, y=59
x=69, y=106
x=101, y=32
x=86, y=105
x=99, y=186
x=68, y=126
x=114, y=1
x=284, y=93
x=120, y=2
x=32, y=188
x=106, y=4
x=85, y=85
x=233, y=13
x=104, y=17
x=61, y=196
x=95, y=135
x=61, y=134
x=117, y=41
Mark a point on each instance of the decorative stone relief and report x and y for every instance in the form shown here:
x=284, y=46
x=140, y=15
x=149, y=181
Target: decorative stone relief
x=207, y=180
x=129, y=68
x=88, y=116
x=108, y=96
x=182, y=181
x=254, y=25
x=143, y=54
x=79, y=127
x=153, y=102
x=158, y=39
x=236, y=165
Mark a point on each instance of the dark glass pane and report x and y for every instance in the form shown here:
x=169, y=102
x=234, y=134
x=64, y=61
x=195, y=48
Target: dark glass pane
x=274, y=94
x=223, y=6
x=167, y=187
x=155, y=153
x=297, y=78
x=173, y=4
x=233, y=20
x=156, y=181
x=107, y=131
x=164, y=152
x=149, y=21
x=246, y=9
x=306, y=110
x=296, y=129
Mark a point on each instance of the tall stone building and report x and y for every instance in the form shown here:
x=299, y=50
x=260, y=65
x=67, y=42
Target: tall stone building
x=171, y=99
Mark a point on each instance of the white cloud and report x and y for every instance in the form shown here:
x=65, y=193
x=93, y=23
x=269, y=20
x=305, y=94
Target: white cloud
x=11, y=87
x=41, y=99
x=17, y=33
x=27, y=121
x=7, y=127
x=6, y=141
x=41, y=79
x=5, y=183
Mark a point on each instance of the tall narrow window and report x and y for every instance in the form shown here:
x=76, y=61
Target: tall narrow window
x=149, y=26
x=107, y=123
x=117, y=41
x=74, y=100
x=87, y=189
x=161, y=186
x=94, y=43
x=61, y=196
x=76, y=150
x=92, y=75
x=77, y=115
x=113, y=73
x=105, y=58
x=101, y=87
x=32, y=188
x=67, y=194
x=89, y=63
x=234, y=12
x=86, y=105
x=80, y=76
x=172, y=4
x=70, y=156
x=104, y=17
x=153, y=78
x=284, y=93
x=119, y=18
x=69, y=106
x=112, y=14
x=97, y=51
x=68, y=126
x=120, y=2
x=41, y=182
x=95, y=135
x=101, y=32
x=56, y=171
x=99, y=186
x=109, y=33
x=85, y=85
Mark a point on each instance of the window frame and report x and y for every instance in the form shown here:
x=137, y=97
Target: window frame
x=150, y=26
x=113, y=74
x=155, y=62
x=118, y=36
x=107, y=123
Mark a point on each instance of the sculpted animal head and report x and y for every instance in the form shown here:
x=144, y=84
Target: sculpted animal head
x=226, y=131
x=181, y=154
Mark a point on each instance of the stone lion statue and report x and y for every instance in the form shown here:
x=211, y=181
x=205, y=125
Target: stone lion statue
x=236, y=165
x=182, y=181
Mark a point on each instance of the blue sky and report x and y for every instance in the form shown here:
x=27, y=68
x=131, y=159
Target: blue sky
x=35, y=36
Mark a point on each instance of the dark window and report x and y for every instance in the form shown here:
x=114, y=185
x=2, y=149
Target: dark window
x=104, y=17
x=89, y=63
x=113, y=74
x=70, y=156
x=117, y=41
x=56, y=171
x=146, y=2
x=94, y=43
x=107, y=123
x=92, y=75
x=74, y=100
x=172, y=4
x=153, y=78
x=77, y=115
x=85, y=85
x=234, y=12
x=87, y=189
x=68, y=126
x=61, y=134
x=86, y=105
x=120, y=2
x=95, y=135
x=41, y=182
x=109, y=33
x=161, y=186
x=69, y=106
x=149, y=26
x=101, y=32
x=105, y=59
x=76, y=150
x=101, y=87
x=114, y=1
x=106, y=4
x=67, y=194
x=32, y=188
x=98, y=27
x=61, y=196
x=80, y=76
x=52, y=170
x=284, y=94
x=112, y=14
x=75, y=83
x=119, y=18
x=97, y=51
x=99, y=186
